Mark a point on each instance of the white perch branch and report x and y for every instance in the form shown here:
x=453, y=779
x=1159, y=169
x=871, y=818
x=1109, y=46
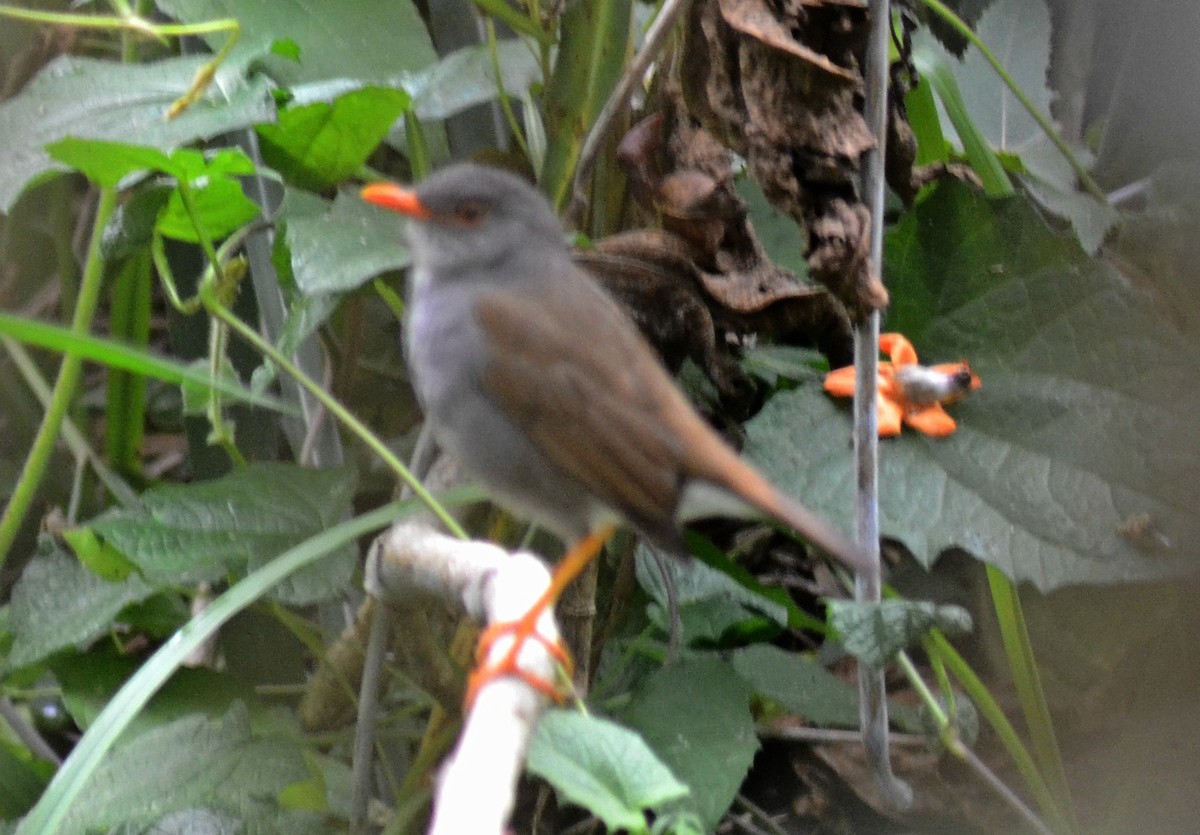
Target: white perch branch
x=415, y=562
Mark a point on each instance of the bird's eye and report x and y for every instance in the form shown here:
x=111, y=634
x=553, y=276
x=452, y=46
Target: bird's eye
x=470, y=213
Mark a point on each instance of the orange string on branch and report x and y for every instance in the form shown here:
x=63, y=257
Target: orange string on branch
x=909, y=392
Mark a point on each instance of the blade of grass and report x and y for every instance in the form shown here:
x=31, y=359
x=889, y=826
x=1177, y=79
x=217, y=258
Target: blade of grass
x=993, y=714
x=74, y=439
x=1023, y=666
x=975, y=144
x=82, y=346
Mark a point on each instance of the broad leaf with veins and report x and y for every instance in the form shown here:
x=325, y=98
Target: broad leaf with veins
x=1083, y=434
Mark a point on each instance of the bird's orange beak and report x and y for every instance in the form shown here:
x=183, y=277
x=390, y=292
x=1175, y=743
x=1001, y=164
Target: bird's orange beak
x=396, y=198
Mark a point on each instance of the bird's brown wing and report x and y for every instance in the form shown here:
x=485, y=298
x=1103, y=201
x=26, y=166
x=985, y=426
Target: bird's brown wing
x=571, y=371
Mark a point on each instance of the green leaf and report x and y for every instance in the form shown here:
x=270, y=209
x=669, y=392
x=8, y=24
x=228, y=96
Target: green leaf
x=21, y=781
x=603, y=767
x=221, y=208
x=367, y=39
x=318, y=145
x=779, y=234
x=874, y=632
x=799, y=684
x=712, y=605
x=105, y=162
x=131, y=227
x=93, y=749
x=186, y=822
x=221, y=205
x=1086, y=418
x=465, y=78
x=100, y=558
x=347, y=246
x=120, y=102
x=191, y=762
x=936, y=68
x=926, y=124
x=58, y=603
x=1018, y=32
x=89, y=680
x=188, y=533
x=771, y=362
x=709, y=749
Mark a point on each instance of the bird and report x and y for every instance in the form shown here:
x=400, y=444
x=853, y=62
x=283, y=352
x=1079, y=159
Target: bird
x=544, y=390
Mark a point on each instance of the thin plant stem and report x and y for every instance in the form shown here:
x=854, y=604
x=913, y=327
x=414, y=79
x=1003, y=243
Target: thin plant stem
x=872, y=692
x=71, y=434
x=937, y=644
x=656, y=36
x=514, y=126
x=65, y=385
x=952, y=742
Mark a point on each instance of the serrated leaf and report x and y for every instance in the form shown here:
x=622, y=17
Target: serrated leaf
x=1086, y=418
x=874, y=632
x=120, y=102
x=1050, y=180
x=318, y=145
x=191, y=762
x=58, y=603
x=711, y=749
x=194, y=532
x=710, y=602
x=603, y=767
x=798, y=684
x=465, y=78
x=1018, y=32
x=345, y=247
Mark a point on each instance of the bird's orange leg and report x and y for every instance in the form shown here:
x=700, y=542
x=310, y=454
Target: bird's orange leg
x=577, y=558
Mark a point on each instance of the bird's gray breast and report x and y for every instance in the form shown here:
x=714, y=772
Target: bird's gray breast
x=448, y=357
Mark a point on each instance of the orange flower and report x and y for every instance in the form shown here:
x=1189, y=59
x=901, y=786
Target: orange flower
x=908, y=391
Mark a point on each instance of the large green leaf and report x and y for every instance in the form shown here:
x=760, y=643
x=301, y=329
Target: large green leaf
x=89, y=680
x=338, y=250
x=93, y=99
x=194, y=762
x=1018, y=33
x=187, y=533
x=710, y=748
x=1084, y=431
x=367, y=39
